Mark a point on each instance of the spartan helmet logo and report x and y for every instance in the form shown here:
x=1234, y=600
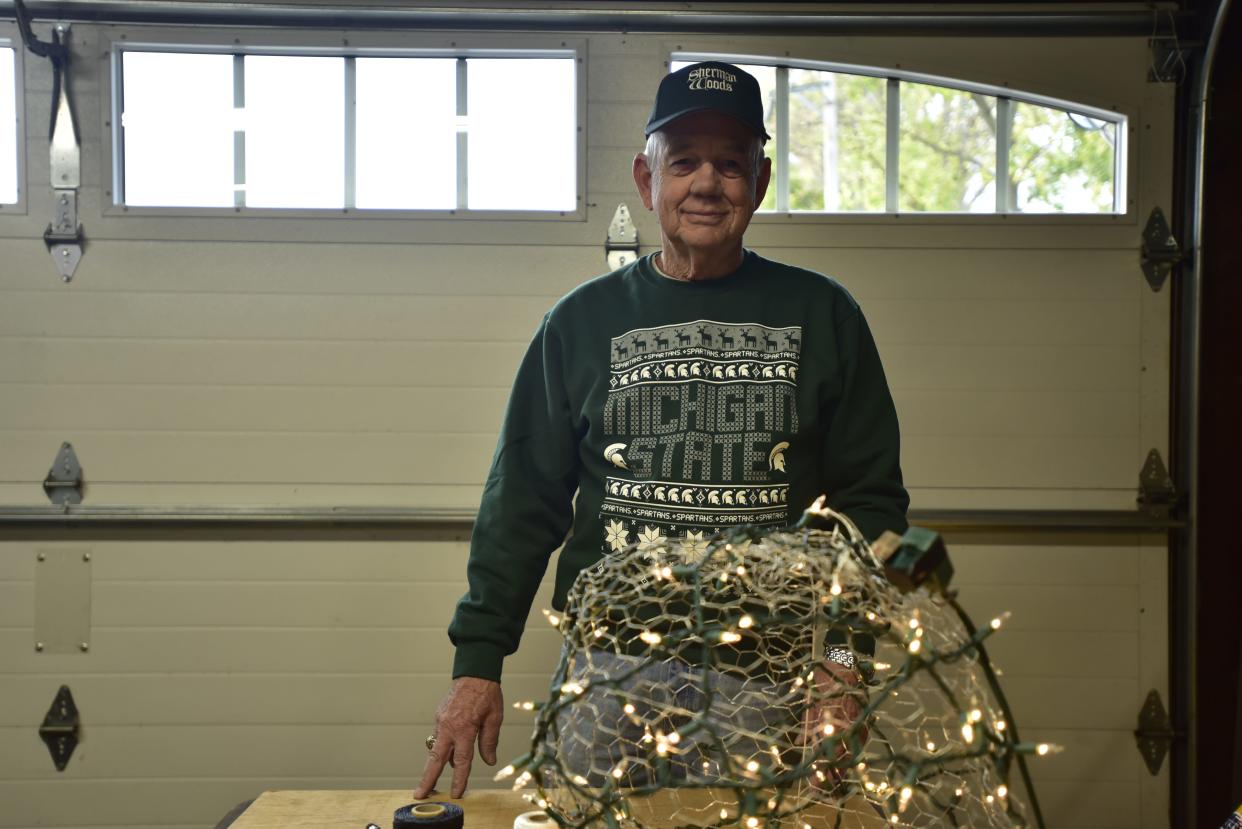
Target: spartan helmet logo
x=776, y=458
x=612, y=452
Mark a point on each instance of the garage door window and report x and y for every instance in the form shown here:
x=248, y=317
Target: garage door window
x=869, y=140
x=8, y=125
x=389, y=132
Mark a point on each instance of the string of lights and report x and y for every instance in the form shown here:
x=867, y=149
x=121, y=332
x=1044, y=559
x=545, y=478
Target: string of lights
x=777, y=678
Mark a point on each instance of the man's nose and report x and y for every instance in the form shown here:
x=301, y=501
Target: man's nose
x=707, y=179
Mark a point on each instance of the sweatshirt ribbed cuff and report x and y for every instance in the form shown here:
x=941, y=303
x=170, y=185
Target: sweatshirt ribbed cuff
x=481, y=659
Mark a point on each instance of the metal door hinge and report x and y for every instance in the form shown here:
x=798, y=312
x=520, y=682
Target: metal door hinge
x=63, y=236
x=621, y=247
x=60, y=728
x=1157, y=495
x=1160, y=250
x=63, y=483
x=1155, y=733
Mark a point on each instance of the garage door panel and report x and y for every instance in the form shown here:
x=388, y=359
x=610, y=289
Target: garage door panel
x=208, y=362
x=242, y=458
x=270, y=317
x=341, y=270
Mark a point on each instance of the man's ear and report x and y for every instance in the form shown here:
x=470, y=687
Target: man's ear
x=762, y=181
x=642, y=180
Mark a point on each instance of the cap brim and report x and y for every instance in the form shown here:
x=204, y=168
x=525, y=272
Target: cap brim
x=668, y=119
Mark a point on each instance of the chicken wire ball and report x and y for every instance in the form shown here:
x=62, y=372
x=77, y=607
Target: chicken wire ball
x=693, y=691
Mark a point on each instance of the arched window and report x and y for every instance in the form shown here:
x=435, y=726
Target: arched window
x=864, y=139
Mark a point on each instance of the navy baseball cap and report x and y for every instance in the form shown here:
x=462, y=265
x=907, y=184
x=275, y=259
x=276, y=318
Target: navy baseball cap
x=719, y=87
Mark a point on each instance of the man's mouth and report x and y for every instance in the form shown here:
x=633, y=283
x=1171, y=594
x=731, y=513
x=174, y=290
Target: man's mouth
x=704, y=215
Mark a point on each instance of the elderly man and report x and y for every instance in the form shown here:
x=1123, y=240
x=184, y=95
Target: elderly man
x=699, y=388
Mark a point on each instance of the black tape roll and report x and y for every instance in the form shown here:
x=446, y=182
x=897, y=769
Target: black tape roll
x=429, y=816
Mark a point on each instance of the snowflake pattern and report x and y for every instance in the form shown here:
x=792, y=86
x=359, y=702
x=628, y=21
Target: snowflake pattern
x=693, y=546
x=650, y=539
x=618, y=537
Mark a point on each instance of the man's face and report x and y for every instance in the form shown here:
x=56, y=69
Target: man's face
x=704, y=191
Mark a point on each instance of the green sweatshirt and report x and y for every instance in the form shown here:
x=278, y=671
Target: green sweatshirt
x=674, y=409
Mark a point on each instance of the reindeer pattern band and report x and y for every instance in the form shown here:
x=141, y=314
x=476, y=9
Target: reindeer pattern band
x=698, y=417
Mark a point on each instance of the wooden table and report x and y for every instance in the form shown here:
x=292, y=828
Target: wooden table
x=485, y=809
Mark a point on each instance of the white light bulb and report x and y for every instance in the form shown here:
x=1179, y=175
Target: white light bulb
x=752, y=766
x=968, y=733
x=745, y=622
x=1042, y=749
x=916, y=645
x=906, y=793
x=629, y=708
x=1002, y=790
x=650, y=637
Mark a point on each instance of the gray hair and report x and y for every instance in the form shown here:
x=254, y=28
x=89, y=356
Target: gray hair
x=657, y=147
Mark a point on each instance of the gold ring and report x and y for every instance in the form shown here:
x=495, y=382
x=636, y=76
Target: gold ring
x=430, y=742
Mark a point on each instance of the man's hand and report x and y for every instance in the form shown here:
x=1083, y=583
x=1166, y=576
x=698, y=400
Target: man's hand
x=473, y=708
x=836, y=701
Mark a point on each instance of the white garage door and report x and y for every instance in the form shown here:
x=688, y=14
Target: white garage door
x=236, y=359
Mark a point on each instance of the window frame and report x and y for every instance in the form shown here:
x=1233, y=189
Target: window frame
x=10, y=37
x=1124, y=205
x=323, y=44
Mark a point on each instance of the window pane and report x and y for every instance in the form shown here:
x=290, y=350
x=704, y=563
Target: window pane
x=1060, y=162
x=836, y=141
x=178, y=129
x=8, y=127
x=522, y=134
x=948, y=150
x=407, y=146
x=295, y=131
